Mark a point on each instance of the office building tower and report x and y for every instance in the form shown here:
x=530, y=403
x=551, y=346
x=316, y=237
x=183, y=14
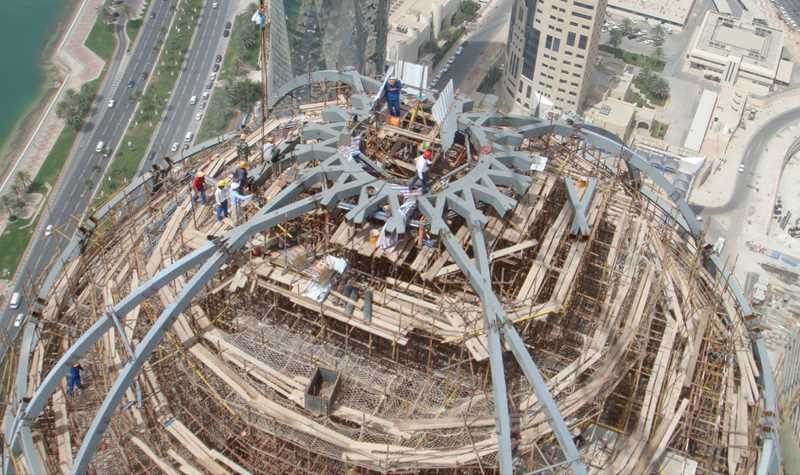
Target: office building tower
x=311, y=35
x=551, y=49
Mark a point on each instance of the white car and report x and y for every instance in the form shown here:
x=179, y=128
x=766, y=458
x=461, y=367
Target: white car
x=444, y=69
x=215, y=5
x=48, y=230
x=212, y=76
x=460, y=50
x=741, y=168
x=175, y=147
x=198, y=116
x=433, y=83
x=205, y=94
x=18, y=320
x=451, y=60
x=111, y=103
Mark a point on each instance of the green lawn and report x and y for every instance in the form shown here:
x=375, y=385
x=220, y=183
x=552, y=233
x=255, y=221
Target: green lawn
x=133, y=27
x=240, y=59
x=126, y=161
x=101, y=40
x=217, y=120
x=13, y=242
x=635, y=59
x=658, y=129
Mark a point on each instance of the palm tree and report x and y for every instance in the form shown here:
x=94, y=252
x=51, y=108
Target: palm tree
x=616, y=38
x=627, y=26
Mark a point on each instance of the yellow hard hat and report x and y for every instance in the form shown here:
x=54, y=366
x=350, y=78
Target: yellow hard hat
x=221, y=184
x=242, y=164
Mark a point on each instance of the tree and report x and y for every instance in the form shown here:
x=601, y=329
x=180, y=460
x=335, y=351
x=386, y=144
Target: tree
x=659, y=53
x=243, y=94
x=627, y=26
x=658, y=34
x=13, y=204
x=616, y=38
x=24, y=179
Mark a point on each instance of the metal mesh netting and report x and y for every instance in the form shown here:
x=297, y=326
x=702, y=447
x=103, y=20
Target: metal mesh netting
x=374, y=387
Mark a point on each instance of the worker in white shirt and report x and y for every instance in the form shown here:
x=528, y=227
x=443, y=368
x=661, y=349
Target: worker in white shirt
x=221, y=199
x=423, y=163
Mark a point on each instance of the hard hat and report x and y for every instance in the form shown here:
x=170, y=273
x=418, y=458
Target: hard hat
x=221, y=184
x=425, y=145
x=201, y=173
x=427, y=154
x=242, y=164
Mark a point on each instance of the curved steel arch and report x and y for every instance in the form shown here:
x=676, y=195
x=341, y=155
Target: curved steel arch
x=496, y=167
x=361, y=85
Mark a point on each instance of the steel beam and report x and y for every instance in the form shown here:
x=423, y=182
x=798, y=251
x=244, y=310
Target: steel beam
x=580, y=224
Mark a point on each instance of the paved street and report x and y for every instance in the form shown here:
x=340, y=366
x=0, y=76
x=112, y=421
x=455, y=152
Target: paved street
x=180, y=115
x=73, y=192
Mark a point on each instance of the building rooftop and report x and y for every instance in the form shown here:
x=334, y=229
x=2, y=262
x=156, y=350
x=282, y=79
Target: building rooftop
x=674, y=12
x=753, y=40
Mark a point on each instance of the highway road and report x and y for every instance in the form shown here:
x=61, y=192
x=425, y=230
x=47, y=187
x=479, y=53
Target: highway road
x=73, y=192
x=479, y=42
x=180, y=114
x=755, y=151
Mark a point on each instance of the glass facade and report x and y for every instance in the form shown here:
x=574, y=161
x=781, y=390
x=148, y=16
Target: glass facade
x=311, y=35
x=531, y=41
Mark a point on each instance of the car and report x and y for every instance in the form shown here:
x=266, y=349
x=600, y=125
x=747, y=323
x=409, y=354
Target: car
x=100, y=146
x=111, y=103
x=445, y=68
x=16, y=299
x=218, y=59
x=18, y=320
x=460, y=50
x=226, y=33
x=175, y=146
x=205, y=94
x=451, y=60
x=131, y=83
x=153, y=15
x=193, y=100
x=212, y=76
x=144, y=75
x=215, y=5
x=198, y=116
x=151, y=156
x=216, y=67
x=228, y=26
x=209, y=85
x=189, y=137
x=48, y=230
x=741, y=168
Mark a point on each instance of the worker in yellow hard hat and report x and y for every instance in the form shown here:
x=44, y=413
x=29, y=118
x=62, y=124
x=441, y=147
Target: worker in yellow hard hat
x=221, y=199
x=240, y=175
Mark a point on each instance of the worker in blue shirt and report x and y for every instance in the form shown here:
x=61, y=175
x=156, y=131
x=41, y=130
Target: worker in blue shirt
x=392, y=94
x=74, y=379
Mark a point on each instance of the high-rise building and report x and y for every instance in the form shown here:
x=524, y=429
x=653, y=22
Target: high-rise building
x=311, y=35
x=551, y=47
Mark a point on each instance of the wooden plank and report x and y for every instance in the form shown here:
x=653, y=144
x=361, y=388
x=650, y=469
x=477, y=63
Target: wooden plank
x=184, y=466
x=194, y=445
x=162, y=464
x=550, y=243
x=658, y=374
x=493, y=256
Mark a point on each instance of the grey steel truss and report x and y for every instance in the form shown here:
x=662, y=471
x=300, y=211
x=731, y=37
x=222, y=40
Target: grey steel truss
x=353, y=176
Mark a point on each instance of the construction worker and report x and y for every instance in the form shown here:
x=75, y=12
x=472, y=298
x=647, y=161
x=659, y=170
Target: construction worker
x=240, y=175
x=199, y=188
x=221, y=199
x=74, y=379
x=422, y=163
x=392, y=94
